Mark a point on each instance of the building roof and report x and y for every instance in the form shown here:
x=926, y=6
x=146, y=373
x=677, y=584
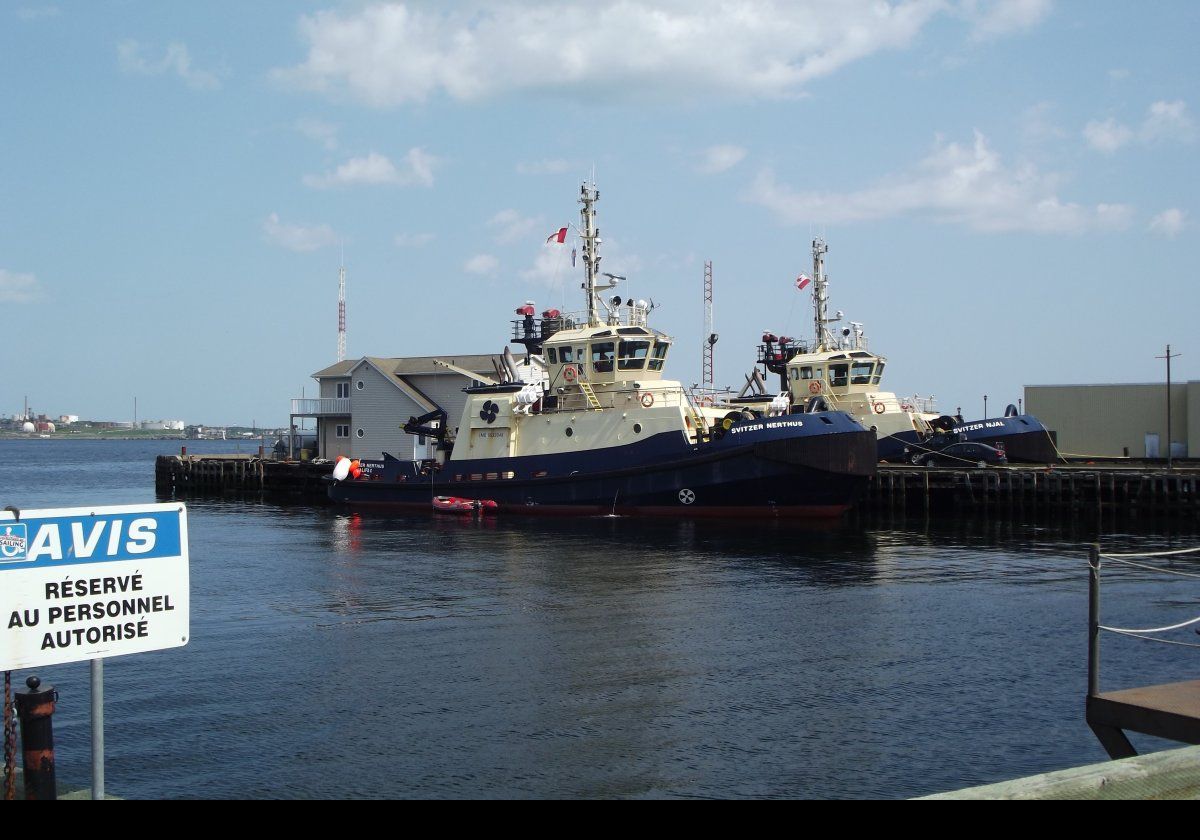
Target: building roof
x=411, y=365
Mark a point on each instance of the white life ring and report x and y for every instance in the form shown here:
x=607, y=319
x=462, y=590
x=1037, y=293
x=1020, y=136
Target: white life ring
x=569, y=373
x=647, y=399
x=879, y=407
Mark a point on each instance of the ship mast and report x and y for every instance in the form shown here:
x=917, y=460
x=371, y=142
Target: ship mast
x=341, y=339
x=588, y=196
x=821, y=298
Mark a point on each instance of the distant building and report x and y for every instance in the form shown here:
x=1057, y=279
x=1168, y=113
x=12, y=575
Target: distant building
x=163, y=425
x=68, y=419
x=364, y=403
x=1115, y=420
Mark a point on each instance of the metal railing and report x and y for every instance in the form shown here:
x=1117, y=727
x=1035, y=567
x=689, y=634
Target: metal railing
x=321, y=407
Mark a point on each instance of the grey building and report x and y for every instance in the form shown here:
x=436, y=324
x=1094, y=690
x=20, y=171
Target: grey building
x=1119, y=419
x=364, y=403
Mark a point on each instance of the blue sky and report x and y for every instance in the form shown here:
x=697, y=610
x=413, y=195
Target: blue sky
x=1007, y=188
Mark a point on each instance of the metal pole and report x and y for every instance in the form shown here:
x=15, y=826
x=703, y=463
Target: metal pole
x=985, y=406
x=97, y=729
x=1094, y=620
x=1168, y=406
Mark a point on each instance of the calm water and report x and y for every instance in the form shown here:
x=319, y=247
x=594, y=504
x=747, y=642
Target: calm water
x=338, y=655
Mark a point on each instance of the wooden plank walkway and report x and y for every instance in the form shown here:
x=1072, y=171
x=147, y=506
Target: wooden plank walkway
x=1170, y=711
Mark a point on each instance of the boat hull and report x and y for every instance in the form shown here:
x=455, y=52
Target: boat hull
x=758, y=469
x=1023, y=438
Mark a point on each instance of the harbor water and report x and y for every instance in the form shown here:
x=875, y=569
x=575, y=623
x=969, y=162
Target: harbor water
x=345, y=655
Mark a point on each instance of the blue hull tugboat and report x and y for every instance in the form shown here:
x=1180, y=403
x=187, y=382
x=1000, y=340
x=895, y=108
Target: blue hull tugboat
x=837, y=371
x=585, y=424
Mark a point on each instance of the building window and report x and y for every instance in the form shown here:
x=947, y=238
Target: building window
x=359, y=433
x=359, y=385
x=343, y=390
x=342, y=431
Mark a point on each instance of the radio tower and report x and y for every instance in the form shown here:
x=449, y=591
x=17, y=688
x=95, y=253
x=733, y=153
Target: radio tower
x=341, y=313
x=710, y=337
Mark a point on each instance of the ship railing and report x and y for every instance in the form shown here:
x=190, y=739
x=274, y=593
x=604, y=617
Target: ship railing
x=321, y=407
x=780, y=353
x=540, y=328
x=921, y=405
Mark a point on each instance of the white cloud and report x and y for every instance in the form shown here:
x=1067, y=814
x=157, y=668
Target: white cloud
x=18, y=288
x=481, y=264
x=297, y=237
x=543, y=167
x=1038, y=124
x=1107, y=136
x=176, y=59
x=997, y=18
x=957, y=184
x=1169, y=223
x=376, y=169
x=1167, y=121
x=510, y=226
x=397, y=53
x=1164, y=122
x=716, y=159
x=549, y=266
x=319, y=132
x=413, y=240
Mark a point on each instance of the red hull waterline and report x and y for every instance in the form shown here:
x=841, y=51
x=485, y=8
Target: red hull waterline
x=808, y=512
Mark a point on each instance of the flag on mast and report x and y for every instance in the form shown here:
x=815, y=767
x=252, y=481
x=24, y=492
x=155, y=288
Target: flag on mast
x=802, y=281
x=560, y=236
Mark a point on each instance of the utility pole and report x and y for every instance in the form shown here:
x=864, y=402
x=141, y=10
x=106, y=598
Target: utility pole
x=1168, y=357
x=341, y=341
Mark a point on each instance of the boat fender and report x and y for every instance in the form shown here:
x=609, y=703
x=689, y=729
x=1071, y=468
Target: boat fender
x=878, y=406
x=341, y=469
x=1010, y=411
x=814, y=388
x=569, y=373
x=731, y=418
x=945, y=423
x=355, y=469
x=647, y=399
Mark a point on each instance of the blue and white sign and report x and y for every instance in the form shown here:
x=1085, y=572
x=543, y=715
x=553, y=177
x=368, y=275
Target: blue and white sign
x=88, y=583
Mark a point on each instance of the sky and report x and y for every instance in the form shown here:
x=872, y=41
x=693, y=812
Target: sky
x=1008, y=189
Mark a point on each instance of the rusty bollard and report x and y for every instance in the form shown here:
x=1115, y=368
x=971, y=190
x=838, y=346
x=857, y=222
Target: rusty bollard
x=35, y=709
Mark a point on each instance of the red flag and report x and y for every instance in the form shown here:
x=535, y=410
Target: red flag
x=802, y=281
x=559, y=237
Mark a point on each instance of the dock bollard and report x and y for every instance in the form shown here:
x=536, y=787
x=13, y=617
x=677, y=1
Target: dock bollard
x=35, y=709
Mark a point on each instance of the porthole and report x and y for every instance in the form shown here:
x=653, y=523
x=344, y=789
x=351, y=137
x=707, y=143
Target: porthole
x=360, y=433
x=637, y=428
x=359, y=385
x=570, y=431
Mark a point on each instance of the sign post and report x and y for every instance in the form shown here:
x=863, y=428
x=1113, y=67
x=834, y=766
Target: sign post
x=81, y=584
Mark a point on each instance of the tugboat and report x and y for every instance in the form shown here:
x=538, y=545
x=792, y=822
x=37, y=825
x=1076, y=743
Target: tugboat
x=839, y=372
x=587, y=424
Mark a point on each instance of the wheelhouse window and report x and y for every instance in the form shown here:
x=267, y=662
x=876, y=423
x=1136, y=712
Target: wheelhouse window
x=878, y=374
x=552, y=355
x=602, y=356
x=633, y=355
x=565, y=355
x=806, y=372
x=838, y=374
x=659, y=355
x=860, y=373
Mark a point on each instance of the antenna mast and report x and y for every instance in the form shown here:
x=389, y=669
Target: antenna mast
x=820, y=296
x=341, y=347
x=710, y=337
x=591, y=239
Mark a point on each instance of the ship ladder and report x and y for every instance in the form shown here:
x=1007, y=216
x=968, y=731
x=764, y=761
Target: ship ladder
x=590, y=394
